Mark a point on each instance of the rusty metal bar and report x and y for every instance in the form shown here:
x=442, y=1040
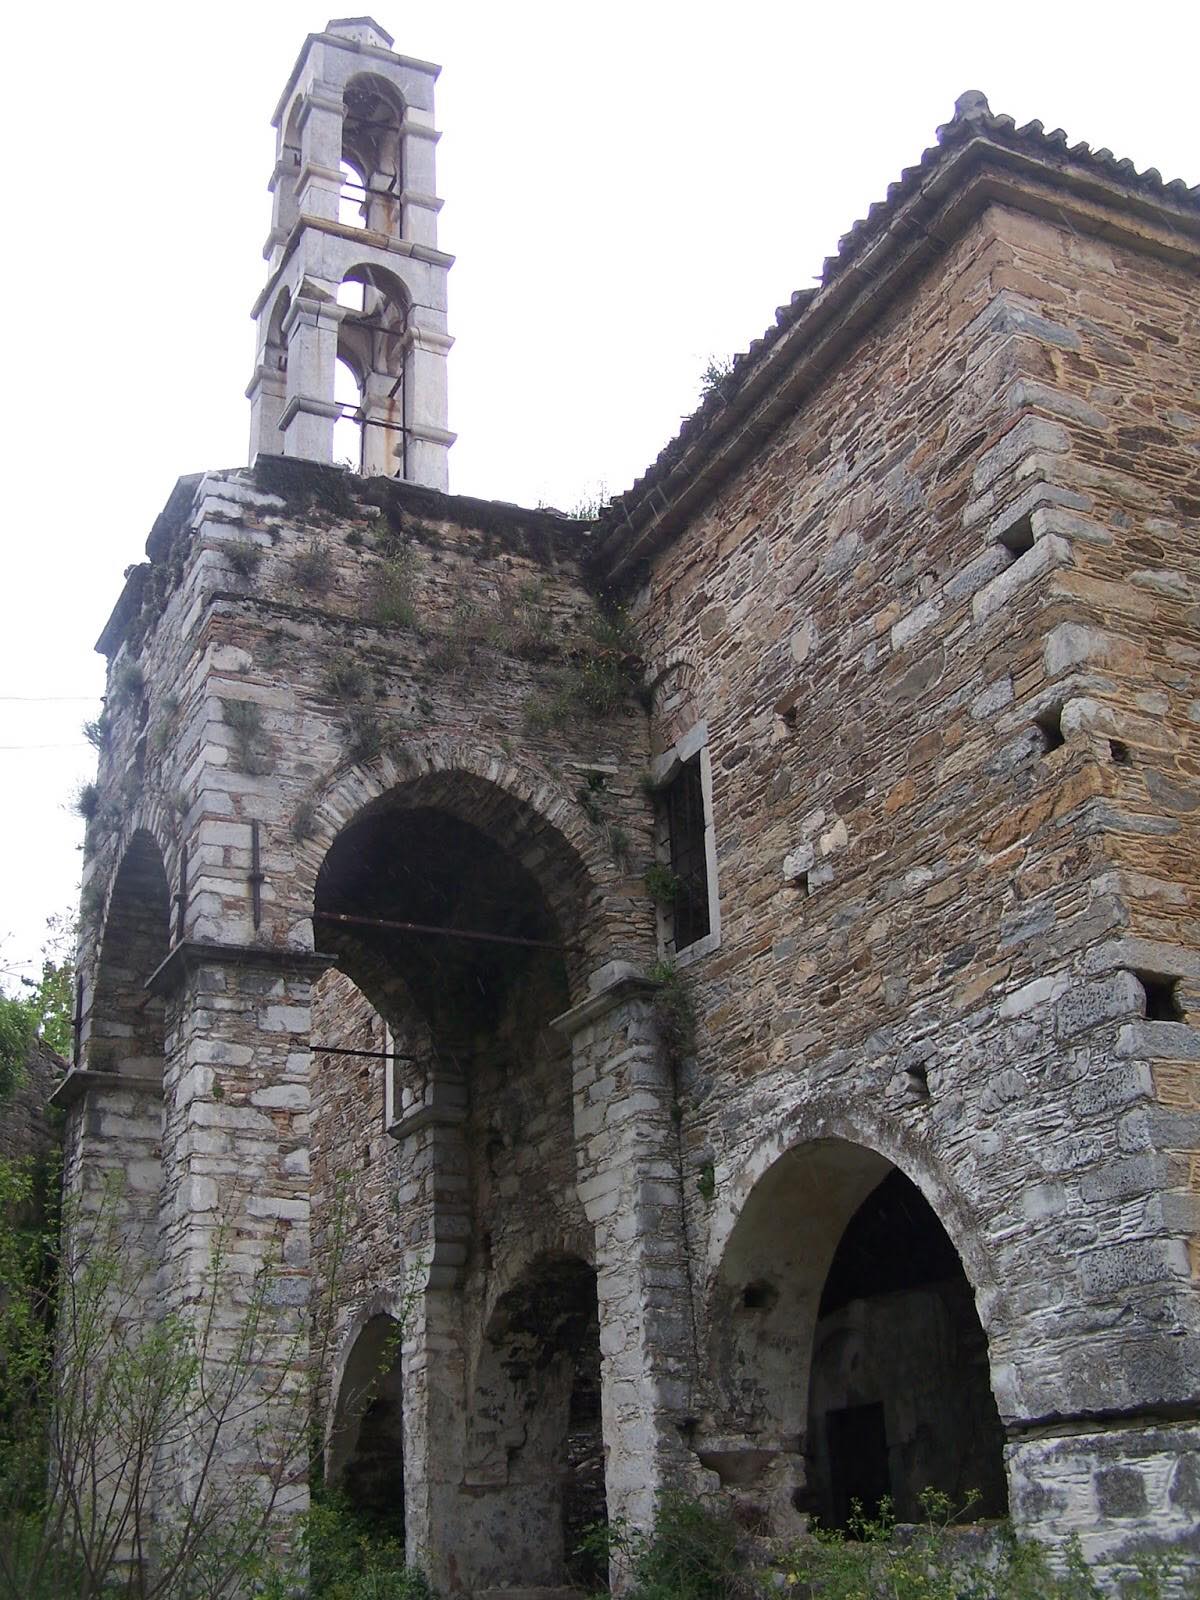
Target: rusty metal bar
x=257, y=876
x=447, y=933
x=181, y=897
x=77, y=1022
x=375, y=1055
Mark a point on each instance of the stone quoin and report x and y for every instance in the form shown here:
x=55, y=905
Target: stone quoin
x=714, y=986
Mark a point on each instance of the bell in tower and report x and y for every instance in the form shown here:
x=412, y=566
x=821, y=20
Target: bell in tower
x=351, y=324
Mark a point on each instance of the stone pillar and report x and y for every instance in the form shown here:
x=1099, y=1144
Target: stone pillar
x=267, y=394
x=236, y=1208
x=428, y=441
x=627, y=1154
x=436, y=1204
x=311, y=331
x=319, y=183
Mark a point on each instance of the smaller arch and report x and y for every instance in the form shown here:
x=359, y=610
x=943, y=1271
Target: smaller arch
x=364, y=1451
x=275, y=352
x=847, y=1355
x=374, y=344
x=535, y=1450
x=124, y=1029
x=373, y=149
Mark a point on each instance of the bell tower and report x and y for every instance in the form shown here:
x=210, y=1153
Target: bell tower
x=351, y=324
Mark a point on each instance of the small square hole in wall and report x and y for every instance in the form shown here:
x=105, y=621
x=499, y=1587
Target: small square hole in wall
x=1119, y=751
x=1018, y=538
x=1049, y=725
x=1162, y=997
x=917, y=1081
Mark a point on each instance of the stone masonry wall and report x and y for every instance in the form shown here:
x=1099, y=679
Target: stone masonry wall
x=914, y=625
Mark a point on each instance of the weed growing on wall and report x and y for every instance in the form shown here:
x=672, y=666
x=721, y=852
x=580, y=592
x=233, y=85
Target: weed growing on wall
x=310, y=568
x=392, y=604
x=674, y=1012
x=251, y=748
x=244, y=556
x=126, y=686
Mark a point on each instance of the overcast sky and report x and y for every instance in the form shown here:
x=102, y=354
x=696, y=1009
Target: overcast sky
x=630, y=188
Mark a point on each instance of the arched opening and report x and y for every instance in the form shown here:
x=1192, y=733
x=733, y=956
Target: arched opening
x=275, y=356
x=535, y=1439
x=352, y=201
x=847, y=1349
x=347, y=428
x=900, y=1398
x=373, y=155
x=373, y=352
x=453, y=908
x=364, y=1454
x=124, y=1031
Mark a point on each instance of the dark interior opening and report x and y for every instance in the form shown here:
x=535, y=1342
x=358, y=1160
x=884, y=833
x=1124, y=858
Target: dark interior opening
x=900, y=1394
x=1162, y=998
x=1049, y=726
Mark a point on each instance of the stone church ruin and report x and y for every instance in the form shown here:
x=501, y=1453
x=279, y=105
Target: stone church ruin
x=717, y=983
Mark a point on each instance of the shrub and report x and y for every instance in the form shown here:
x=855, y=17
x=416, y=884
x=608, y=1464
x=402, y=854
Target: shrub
x=392, y=603
x=244, y=556
x=310, y=568
x=87, y=801
x=250, y=747
x=674, y=1012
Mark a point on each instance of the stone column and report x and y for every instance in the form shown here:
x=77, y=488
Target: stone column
x=627, y=1155
x=436, y=1204
x=236, y=1209
x=311, y=331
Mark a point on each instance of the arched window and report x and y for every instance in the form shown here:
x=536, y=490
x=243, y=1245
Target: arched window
x=372, y=151
x=373, y=345
x=348, y=430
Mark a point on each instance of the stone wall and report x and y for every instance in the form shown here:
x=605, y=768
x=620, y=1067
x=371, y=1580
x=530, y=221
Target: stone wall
x=951, y=799
x=385, y=757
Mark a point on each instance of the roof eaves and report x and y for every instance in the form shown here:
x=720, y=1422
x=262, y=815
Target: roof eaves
x=973, y=135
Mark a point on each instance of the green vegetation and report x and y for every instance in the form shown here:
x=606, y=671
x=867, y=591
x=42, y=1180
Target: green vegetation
x=126, y=685
x=661, y=884
x=698, y=1553
x=674, y=1012
x=244, y=556
x=251, y=748
x=310, y=568
x=392, y=604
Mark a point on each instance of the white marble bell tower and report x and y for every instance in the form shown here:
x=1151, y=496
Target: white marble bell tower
x=354, y=272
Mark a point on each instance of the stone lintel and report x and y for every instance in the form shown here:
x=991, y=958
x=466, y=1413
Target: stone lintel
x=616, y=984
x=193, y=953
x=80, y=1080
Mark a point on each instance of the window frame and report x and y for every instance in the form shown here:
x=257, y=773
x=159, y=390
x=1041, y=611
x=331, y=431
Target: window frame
x=663, y=770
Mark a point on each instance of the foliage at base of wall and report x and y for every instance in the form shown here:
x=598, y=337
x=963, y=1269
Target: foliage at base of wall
x=696, y=1553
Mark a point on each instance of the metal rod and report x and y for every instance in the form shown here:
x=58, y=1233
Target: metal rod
x=375, y=1055
x=257, y=875
x=181, y=897
x=448, y=933
x=77, y=1024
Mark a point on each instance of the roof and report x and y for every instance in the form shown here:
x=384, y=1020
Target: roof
x=973, y=136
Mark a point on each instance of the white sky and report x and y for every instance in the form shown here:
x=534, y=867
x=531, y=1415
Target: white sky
x=630, y=189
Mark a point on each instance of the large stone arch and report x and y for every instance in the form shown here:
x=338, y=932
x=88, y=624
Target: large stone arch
x=122, y=1025
x=524, y=811
x=802, y=1194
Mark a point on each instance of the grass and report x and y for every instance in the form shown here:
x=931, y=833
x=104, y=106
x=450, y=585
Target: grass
x=244, y=556
x=250, y=746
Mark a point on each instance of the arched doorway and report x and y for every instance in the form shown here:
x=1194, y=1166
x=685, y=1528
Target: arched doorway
x=535, y=1437
x=123, y=1024
x=458, y=914
x=364, y=1456
x=848, y=1356
x=900, y=1398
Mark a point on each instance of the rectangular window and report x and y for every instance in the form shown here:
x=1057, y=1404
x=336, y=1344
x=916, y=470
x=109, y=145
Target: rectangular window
x=683, y=801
